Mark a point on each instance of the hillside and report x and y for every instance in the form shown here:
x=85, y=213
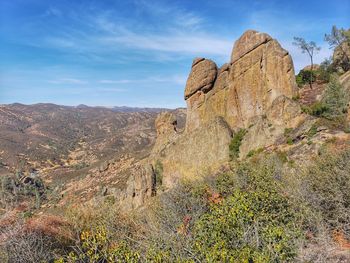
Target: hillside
x=255, y=169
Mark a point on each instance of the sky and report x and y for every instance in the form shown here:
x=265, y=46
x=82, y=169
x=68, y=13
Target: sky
x=138, y=53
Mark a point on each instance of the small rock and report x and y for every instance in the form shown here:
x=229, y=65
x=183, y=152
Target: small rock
x=322, y=128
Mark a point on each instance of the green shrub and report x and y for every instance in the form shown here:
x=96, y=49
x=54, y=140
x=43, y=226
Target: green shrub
x=304, y=77
x=158, y=171
x=335, y=99
x=254, y=224
x=312, y=131
x=325, y=70
x=315, y=109
x=95, y=245
x=251, y=153
x=236, y=143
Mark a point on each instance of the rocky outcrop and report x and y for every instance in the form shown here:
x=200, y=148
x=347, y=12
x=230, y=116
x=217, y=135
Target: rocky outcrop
x=260, y=71
x=268, y=128
x=139, y=187
x=341, y=57
x=345, y=82
x=202, y=76
x=192, y=155
x=254, y=91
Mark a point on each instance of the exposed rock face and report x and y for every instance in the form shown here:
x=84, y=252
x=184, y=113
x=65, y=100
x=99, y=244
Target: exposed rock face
x=191, y=155
x=202, y=76
x=341, y=57
x=165, y=124
x=345, y=82
x=140, y=186
x=254, y=91
x=283, y=113
x=259, y=72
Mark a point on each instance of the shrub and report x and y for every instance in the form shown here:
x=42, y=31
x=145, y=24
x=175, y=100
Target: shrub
x=158, y=171
x=95, y=246
x=170, y=222
x=327, y=190
x=315, y=109
x=253, y=226
x=335, y=99
x=304, y=77
x=236, y=143
x=251, y=153
x=19, y=244
x=312, y=131
x=325, y=70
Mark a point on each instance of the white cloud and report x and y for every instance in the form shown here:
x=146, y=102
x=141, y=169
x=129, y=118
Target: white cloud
x=68, y=81
x=175, y=79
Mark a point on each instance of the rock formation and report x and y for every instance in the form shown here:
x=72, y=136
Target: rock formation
x=254, y=91
x=260, y=70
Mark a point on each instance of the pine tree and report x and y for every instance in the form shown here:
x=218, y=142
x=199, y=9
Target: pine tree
x=335, y=99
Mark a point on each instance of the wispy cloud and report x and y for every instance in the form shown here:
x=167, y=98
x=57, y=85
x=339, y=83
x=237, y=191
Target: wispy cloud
x=181, y=34
x=68, y=81
x=52, y=11
x=175, y=79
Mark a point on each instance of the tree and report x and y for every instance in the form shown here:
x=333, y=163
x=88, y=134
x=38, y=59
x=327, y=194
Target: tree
x=309, y=48
x=337, y=39
x=335, y=99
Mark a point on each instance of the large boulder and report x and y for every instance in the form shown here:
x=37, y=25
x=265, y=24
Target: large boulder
x=202, y=76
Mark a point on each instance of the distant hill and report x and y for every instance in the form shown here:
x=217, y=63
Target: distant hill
x=46, y=135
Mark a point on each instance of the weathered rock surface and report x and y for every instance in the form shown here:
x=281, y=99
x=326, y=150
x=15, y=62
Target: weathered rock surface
x=195, y=154
x=259, y=72
x=202, y=76
x=345, y=82
x=341, y=57
x=139, y=187
x=283, y=113
x=254, y=91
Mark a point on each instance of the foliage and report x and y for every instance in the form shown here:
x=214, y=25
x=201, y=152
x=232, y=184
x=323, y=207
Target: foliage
x=100, y=234
x=96, y=246
x=258, y=211
x=325, y=70
x=15, y=188
x=158, y=171
x=336, y=40
x=287, y=134
x=315, y=109
x=310, y=48
x=19, y=244
x=236, y=143
x=305, y=76
x=251, y=153
x=312, y=131
x=254, y=223
x=327, y=184
x=335, y=99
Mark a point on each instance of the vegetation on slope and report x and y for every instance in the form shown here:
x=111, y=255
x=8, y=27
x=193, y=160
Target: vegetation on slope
x=260, y=211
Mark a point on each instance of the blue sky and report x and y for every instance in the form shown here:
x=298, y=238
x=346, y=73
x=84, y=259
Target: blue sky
x=138, y=52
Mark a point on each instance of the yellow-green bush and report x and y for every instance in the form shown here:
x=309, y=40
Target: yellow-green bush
x=253, y=223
